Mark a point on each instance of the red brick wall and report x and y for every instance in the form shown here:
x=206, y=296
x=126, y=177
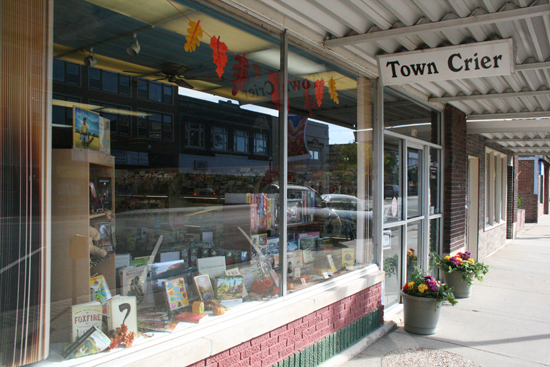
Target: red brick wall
x=281, y=343
x=456, y=180
x=526, y=187
x=512, y=203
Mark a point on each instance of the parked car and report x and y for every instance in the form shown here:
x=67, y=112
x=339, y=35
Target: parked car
x=391, y=191
x=350, y=209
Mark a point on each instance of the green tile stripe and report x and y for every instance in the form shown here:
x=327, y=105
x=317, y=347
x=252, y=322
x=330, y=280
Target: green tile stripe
x=335, y=343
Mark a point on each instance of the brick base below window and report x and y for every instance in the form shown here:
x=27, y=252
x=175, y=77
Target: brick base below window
x=311, y=339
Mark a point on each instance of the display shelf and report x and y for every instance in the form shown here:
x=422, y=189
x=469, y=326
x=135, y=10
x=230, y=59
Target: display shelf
x=71, y=219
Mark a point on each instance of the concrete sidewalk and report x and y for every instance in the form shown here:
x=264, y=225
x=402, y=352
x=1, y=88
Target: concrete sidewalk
x=506, y=322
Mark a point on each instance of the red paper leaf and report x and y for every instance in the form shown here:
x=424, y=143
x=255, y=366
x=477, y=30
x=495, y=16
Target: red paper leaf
x=319, y=89
x=274, y=80
x=257, y=70
x=332, y=90
x=241, y=74
x=194, y=32
x=307, y=98
x=219, y=55
x=295, y=85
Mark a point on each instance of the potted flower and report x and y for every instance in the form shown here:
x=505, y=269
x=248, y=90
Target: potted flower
x=422, y=298
x=459, y=271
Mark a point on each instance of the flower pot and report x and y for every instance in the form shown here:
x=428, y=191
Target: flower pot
x=461, y=289
x=421, y=314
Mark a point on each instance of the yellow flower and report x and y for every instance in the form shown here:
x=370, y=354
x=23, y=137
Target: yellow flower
x=470, y=260
x=447, y=258
x=410, y=285
x=422, y=287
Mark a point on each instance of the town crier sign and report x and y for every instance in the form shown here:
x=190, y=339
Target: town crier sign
x=473, y=60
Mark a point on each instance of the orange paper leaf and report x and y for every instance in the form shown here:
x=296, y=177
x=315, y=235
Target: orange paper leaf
x=194, y=32
x=220, y=54
x=241, y=74
x=332, y=90
x=257, y=70
x=307, y=98
x=319, y=90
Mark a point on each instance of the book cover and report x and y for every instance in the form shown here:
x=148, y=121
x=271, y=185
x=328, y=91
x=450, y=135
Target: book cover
x=204, y=287
x=131, y=284
x=308, y=243
x=91, y=342
x=229, y=287
x=150, y=314
x=294, y=211
x=160, y=272
x=348, y=257
x=176, y=293
x=84, y=316
x=100, y=289
x=104, y=192
x=122, y=310
x=105, y=240
x=160, y=326
x=191, y=317
x=95, y=203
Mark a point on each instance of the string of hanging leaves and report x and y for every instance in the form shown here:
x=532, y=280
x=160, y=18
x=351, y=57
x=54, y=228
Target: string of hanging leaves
x=219, y=57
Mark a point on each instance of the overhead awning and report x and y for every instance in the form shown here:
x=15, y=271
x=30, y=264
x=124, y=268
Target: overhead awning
x=510, y=110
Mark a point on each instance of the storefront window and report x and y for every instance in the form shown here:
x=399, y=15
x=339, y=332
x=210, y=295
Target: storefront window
x=167, y=177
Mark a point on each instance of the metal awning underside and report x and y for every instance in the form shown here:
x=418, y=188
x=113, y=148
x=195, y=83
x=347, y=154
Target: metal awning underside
x=360, y=30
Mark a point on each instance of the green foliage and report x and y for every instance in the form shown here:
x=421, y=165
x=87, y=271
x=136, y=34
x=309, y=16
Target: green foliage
x=390, y=265
x=423, y=285
x=520, y=201
x=462, y=262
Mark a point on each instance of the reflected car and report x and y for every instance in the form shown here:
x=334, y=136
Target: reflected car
x=349, y=208
x=322, y=214
x=391, y=191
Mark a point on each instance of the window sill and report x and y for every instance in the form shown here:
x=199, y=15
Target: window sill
x=493, y=226
x=193, y=343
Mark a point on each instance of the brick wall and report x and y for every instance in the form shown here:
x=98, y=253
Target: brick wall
x=456, y=180
x=512, y=207
x=526, y=187
x=475, y=146
x=289, y=340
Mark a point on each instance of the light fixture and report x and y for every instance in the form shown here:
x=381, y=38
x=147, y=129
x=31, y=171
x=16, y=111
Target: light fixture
x=133, y=49
x=90, y=60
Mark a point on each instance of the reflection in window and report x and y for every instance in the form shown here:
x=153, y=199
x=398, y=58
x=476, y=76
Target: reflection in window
x=195, y=134
x=495, y=194
x=66, y=72
x=240, y=141
x=260, y=143
x=154, y=126
x=62, y=114
x=119, y=118
x=220, y=138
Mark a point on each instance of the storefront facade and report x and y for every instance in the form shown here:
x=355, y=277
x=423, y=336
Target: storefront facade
x=237, y=156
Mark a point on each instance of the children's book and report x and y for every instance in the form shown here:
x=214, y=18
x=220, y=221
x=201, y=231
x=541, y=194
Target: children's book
x=204, y=287
x=348, y=257
x=122, y=310
x=105, y=241
x=150, y=314
x=160, y=272
x=100, y=289
x=84, y=316
x=104, y=192
x=229, y=287
x=160, y=326
x=176, y=293
x=191, y=317
x=91, y=342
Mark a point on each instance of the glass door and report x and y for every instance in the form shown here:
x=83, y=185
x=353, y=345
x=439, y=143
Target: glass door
x=405, y=210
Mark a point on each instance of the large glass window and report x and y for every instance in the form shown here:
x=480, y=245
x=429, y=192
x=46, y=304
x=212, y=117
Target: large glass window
x=495, y=188
x=173, y=204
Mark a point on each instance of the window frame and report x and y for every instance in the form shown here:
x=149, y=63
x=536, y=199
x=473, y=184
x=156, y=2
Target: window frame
x=202, y=136
x=118, y=76
x=495, y=188
x=144, y=116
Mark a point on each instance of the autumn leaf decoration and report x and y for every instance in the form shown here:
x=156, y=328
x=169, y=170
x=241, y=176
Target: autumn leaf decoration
x=319, y=90
x=332, y=90
x=219, y=55
x=241, y=73
x=274, y=80
x=194, y=32
x=306, y=84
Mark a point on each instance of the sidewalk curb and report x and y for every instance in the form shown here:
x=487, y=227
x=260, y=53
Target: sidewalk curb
x=358, y=347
